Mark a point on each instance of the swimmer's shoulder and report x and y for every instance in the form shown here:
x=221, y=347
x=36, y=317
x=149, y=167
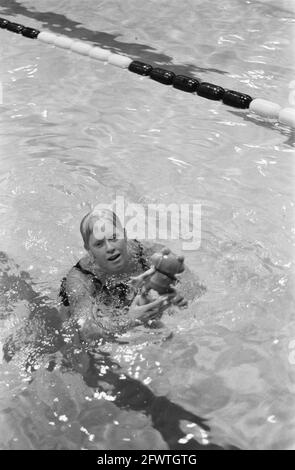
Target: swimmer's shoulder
x=143, y=251
x=77, y=271
x=80, y=277
x=148, y=247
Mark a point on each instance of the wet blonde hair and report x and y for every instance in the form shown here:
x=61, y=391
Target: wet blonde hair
x=87, y=223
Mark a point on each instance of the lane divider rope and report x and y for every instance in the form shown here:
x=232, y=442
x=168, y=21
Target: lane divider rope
x=261, y=107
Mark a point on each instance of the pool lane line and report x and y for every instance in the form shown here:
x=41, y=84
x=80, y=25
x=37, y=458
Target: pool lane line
x=261, y=107
x=58, y=23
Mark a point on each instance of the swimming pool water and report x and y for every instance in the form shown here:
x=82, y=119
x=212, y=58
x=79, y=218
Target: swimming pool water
x=75, y=132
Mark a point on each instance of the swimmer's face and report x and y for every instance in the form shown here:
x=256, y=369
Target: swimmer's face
x=108, y=246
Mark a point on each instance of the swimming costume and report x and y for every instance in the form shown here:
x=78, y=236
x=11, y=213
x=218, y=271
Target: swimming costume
x=115, y=293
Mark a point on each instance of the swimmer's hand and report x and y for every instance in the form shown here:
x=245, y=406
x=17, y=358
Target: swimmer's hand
x=177, y=299
x=141, y=314
x=138, y=281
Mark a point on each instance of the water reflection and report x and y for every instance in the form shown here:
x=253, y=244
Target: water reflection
x=41, y=336
x=58, y=23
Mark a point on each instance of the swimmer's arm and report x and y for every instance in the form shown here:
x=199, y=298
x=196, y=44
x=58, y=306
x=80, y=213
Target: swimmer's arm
x=80, y=292
x=95, y=324
x=87, y=313
x=90, y=316
x=92, y=324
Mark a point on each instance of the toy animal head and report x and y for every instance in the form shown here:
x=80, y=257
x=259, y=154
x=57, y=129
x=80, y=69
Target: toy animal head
x=167, y=263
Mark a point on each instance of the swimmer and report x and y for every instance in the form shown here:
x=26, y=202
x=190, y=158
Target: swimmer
x=97, y=289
